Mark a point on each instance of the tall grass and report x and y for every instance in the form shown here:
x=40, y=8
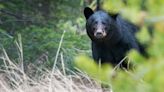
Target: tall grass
x=14, y=77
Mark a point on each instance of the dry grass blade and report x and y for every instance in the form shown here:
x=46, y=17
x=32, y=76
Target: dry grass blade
x=14, y=79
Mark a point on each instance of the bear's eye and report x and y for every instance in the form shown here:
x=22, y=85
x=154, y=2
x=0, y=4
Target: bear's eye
x=104, y=23
x=105, y=28
x=96, y=22
x=94, y=28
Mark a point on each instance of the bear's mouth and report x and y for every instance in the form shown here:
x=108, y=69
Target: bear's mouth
x=100, y=35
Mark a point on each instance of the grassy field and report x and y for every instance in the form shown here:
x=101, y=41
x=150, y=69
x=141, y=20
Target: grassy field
x=14, y=78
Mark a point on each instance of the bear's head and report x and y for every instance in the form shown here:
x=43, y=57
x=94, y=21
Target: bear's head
x=99, y=24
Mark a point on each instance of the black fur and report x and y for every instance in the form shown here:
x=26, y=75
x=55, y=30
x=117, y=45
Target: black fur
x=111, y=36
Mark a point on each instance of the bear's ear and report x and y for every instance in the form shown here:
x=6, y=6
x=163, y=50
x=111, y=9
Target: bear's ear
x=114, y=16
x=88, y=12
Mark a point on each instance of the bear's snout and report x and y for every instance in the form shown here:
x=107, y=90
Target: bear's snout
x=100, y=34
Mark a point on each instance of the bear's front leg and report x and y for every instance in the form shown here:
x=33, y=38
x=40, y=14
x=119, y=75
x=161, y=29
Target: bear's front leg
x=95, y=52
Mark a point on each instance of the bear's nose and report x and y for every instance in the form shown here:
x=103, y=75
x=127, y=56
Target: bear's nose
x=99, y=35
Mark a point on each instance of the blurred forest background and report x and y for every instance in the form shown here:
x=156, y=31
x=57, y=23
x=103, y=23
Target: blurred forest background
x=31, y=30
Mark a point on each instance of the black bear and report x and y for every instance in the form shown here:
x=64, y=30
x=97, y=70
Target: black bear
x=111, y=36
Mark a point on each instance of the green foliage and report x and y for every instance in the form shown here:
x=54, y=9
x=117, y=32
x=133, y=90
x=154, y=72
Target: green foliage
x=147, y=75
x=41, y=41
x=18, y=14
x=100, y=73
x=144, y=36
x=41, y=24
x=132, y=9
